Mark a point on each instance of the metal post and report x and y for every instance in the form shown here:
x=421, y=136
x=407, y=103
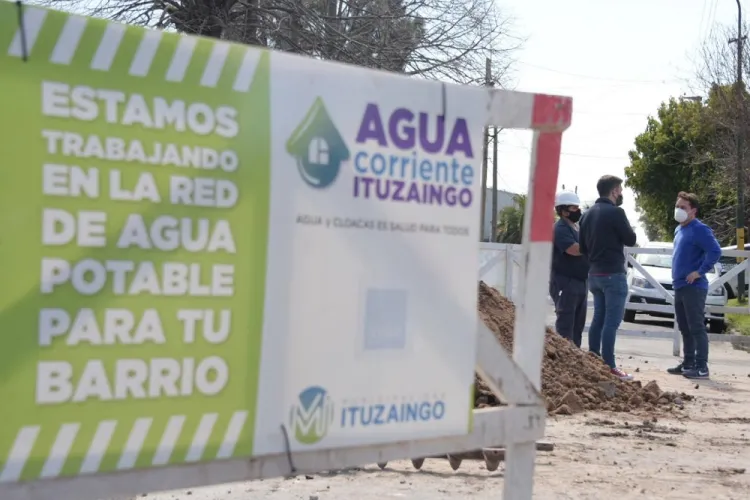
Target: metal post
x=676, y=338
x=740, y=226
x=494, y=185
x=485, y=148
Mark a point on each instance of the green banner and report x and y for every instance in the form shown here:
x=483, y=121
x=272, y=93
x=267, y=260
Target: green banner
x=134, y=209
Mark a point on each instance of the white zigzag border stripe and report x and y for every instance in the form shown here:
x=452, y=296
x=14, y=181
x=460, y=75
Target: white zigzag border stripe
x=19, y=454
x=134, y=444
x=201, y=437
x=60, y=450
x=181, y=58
x=12, y=468
x=69, y=40
x=247, y=70
x=144, y=56
x=67, y=43
x=107, y=49
x=98, y=447
x=168, y=440
x=236, y=424
x=215, y=64
x=32, y=23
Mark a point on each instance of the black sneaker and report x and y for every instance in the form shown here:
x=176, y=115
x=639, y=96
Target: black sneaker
x=679, y=369
x=696, y=373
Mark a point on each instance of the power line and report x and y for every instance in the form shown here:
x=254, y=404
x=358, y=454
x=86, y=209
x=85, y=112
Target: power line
x=578, y=155
x=611, y=113
x=595, y=77
x=712, y=17
x=501, y=180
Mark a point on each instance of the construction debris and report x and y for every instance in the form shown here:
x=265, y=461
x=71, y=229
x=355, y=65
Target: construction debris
x=572, y=379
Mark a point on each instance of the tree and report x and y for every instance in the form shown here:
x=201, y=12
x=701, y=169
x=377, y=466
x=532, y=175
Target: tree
x=671, y=155
x=510, y=221
x=653, y=233
x=678, y=152
x=716, y=62
x=691, y=145
x=435, y=39
x=727, y=113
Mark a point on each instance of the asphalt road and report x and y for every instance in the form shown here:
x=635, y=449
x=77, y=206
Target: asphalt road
x=642, y=323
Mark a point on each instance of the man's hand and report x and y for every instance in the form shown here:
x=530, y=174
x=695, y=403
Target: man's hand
x=692, y=277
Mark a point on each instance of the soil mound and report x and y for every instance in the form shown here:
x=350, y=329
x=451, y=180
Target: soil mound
x=572, y=379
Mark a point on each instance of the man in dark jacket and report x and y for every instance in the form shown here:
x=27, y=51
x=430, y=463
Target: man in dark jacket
x=570, y=270
x=605, y=231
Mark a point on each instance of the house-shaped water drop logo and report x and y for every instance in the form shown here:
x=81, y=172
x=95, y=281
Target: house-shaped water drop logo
x=318, y=147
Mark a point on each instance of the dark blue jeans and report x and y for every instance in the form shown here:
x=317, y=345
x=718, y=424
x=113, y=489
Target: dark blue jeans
x=689, y=309
x=610, y=292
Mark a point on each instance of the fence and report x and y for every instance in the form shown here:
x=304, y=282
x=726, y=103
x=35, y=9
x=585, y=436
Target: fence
x=501, y=266
x=662, y=301
x=305, y=397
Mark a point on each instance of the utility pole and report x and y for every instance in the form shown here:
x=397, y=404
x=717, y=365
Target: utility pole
x=494, y=185
x=740, y=226
x=485, y=150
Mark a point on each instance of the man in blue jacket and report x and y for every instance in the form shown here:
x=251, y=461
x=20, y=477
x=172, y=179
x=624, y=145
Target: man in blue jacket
x=696, y=252
x=605, y=232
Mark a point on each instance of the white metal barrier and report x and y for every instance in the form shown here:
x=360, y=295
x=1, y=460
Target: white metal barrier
x=500, y=266
x=68, y=465
x=667, y=297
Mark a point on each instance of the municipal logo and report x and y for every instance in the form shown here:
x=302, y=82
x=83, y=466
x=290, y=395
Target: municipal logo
x=312, y=417
x=318, y=147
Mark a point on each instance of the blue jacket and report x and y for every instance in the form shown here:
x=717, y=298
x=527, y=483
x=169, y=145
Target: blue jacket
x=695, y=249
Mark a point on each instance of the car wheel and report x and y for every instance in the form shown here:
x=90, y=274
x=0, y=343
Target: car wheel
x=629, y=316
x=716, y=326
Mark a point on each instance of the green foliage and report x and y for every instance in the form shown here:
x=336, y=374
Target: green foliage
x=690, y=146
x=673, y=154
x=510, y=221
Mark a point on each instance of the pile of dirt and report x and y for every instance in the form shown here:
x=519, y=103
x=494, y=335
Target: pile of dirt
x=572, y=380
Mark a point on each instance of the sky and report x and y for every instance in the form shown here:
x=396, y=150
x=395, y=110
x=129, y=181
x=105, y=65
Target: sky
x=618, y=60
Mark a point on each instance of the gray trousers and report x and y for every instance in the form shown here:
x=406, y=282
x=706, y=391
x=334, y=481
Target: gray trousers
x=570, y=297
x=689, y=309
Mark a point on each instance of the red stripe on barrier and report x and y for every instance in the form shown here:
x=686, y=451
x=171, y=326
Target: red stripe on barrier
x=544, y=185
x=551, y=112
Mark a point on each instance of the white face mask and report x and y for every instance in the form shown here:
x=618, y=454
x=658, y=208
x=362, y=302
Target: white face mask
x=680, y=215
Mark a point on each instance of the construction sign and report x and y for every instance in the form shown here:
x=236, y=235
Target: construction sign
x=212, y=251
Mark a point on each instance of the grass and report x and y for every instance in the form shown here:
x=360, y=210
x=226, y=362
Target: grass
x=738, y=322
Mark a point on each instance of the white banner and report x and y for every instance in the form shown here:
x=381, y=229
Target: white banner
x=370, y=319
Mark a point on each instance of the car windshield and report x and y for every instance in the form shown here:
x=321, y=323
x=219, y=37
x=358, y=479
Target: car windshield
x=655, y=260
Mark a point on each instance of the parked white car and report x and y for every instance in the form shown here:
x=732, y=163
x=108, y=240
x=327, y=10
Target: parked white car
x=640, y=291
